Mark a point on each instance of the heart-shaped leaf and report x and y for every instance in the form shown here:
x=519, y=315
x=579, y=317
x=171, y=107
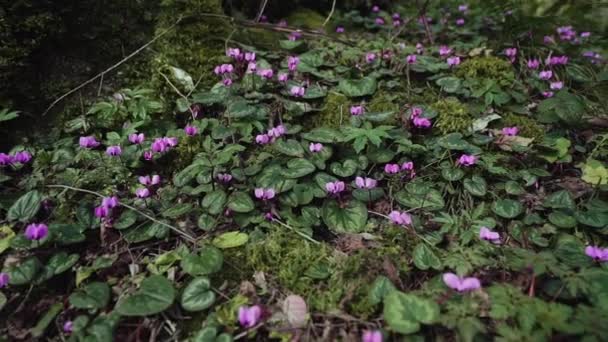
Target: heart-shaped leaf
x=347, y=218
x=197, y=295
x=344, y=169
x=92, y=296
x=507, y=208
x=240, y=202
x=405, y=312
x=355, y=88
x=25, y=208
x=155, y=295
x=425, y=258
x=208, y=261
x=297, y=168
x=214, y=201
x=230, y=240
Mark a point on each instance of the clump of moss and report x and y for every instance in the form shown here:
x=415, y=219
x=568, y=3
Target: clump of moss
x=306, y=18
x=384, y=102
x=335, y=111
x=527, y=127
x=452, y=116
x=487, y=67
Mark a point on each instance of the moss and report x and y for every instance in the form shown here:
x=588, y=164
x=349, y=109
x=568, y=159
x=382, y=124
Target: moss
x=487, y=67
x=335, y=110
x=527, y=127
x=306, y=18
x=452, y=116
x=385, y=102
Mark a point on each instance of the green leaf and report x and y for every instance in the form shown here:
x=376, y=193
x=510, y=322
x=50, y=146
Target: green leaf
x=431, y=199
x=355, y=88
x=25, y=208
x=562, y=220
x=62, y=262
x=230, y=240
x=476, y=186
x=3, y=300
x=507, y=208
x=240, y=109
x=40, y=327
x=425, y=258
x=197, y=295
x=593, y=218
x=6, y=235
x=24, y=272
x=290, y=45
x=66, y=233
x=155, y=295
x=569, y=250
x=214, y=201
x=405, y=312
x=345, y=169
x=297, y=168
x=126, y=220
x=323, y=135
x=92, y=296
x=513, y=188
x=381, y=287
x=208, y=261
x=449, y=84
x=289, y=147
x=452, y=174
x=206, y=222
x=179, y=209
x=559, y=200
x=594, y=172
x=240, y=202
x=348, y=218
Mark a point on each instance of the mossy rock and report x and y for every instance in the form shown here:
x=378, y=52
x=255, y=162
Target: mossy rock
x=452, y=116
x=307, y=19
x=487, y=67
x=385, y=102
x=335, y=111
x=527, y=126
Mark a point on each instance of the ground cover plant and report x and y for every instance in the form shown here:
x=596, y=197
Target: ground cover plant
x=387, y=172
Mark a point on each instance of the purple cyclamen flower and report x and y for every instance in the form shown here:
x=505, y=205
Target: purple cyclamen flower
x=488, y=235
x=547, y=94
x=292, y=63
x=88, y=142
x=136, y=139
x=410, y=59
x=249, y=316
x=282, y=23
x=407, y=166
x=548, y=40
x=250, y=56
x=585, y=34
x=421, y=122
x=365, y=183
x=6, y=159
x=269, y=216
x=460, y=21
x=159, y=145
x=510, y=131
x=370, y=57
x=276, y=132
x=114, y=151
x=283, y=77
x=191, y=130
x=101, y=211
x=461, y=284
x=234, y=53
x=396, y=22
x=142, y=192
x=419, y=48
x=371, y=336
x=379, y=21
x=224, y=177
x=453, y=61
x=356, y=110
x=375, y=9
x=545, y=74
x=170, y=141
x=266, y=73
x=400, y=218
x=147, y=180
x=511, y=52
x=416, y=112
x=264, y=194
x=4, y=279
x=227, y=82
x=297, y=91
x=68, y=327
x=252, y=67
x=597, y=253
x=391, y=168
x=335, y=187
x=110, y=202
x=148, y=155
x=294, y=36
x=557, y=60
x=533, y=63
x=23, y=157
x=467, y=160
x=340, y=29
x=36, y=231
x=444, y=50
x=556, y=85
x=262, y=139
x=463, y=8
x=315, y=147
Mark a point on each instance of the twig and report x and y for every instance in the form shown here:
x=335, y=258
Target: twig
x=333, y=7
x=101, y=74
x=296, y=231
x=178, y=92
x=261, y=12
x=175, y=229
x=244, y=333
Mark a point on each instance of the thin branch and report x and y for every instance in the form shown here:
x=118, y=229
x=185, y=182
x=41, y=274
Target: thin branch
x=296, y=231
x=261, y=12
x=175, y=229
x=101, y=74
x=333, y=7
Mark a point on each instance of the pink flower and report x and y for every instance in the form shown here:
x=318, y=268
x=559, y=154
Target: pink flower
x=276, y=132
x=315, y=147
x=136, y=139
x=114, y=151
x=585, y=34
x=419, y=48
x=463, y=8
x=459, y=21
x=488, y=235
x=391, y=168
x=148, y=155
x=402, y=219
x=533, y=63
x=356, y=110
x=511, y=53
x=101, y=211
x=297, y=91
x=88, y=142
x=365, y=183
x=557, y=60
x=416, y=112
x=142, y=193
x=68, y=327
x=250, y=56
x=396, y=16
x=282, y=23
x=370, y=57
x=467, y=160
x=294, y=36
x=335, y=187
x=22, y=157
x=422, y=122
x=396, y=22
x=264, y=194
x=249, y=316
x=292, y=63
x=461, y=284
x=224, y=177
x=453, y=61
x=407, y=166
x=191, y=130
x=444, y=50
x=147, y=180
x=234, y=53
x=547, y=94
x=227, y=82
x=4, y=279
x=556, y=85
x=379, y=21
x=548, y=40
x=375, y=9
x=510, y=131
x=6, y=159
x=36, y=231
x=109, y=202
x=266, y=73
x=283, y=77
x=262, y=139
x=597, y=253
x=410, y=59
x=371, y=336
x=545, y=74
x=340, y=29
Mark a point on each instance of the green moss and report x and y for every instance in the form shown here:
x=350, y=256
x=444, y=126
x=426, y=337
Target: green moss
x=487, y=67
x=306, y=18
x=527, y=127
x=335, y=111
x=385, y=102
x=452, y=116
